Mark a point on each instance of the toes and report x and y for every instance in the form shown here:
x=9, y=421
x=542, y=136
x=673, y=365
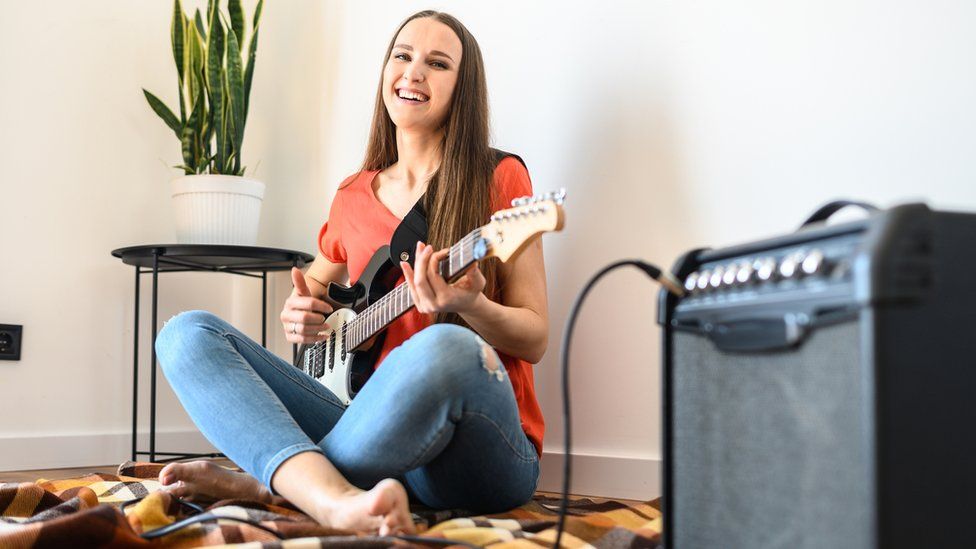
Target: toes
x=178, y=489
x=381, y=499
x=184, y=471
x=389, y=501
x=168, y=474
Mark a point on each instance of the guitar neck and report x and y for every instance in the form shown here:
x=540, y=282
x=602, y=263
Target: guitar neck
x=375, y=318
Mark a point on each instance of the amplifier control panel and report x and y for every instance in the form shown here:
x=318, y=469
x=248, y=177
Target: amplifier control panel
x=822, y=264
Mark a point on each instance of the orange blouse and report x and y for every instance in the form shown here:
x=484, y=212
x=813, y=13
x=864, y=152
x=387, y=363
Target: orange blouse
x=359, y=224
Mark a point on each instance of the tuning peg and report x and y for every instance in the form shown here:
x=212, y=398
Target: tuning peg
x=558, y=196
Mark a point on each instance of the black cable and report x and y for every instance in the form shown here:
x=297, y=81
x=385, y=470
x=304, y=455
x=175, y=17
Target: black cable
x=166, y=530
x=192, y=506
x=667, y=280
x=199, y=516
x=436, y=541
x=203, y=516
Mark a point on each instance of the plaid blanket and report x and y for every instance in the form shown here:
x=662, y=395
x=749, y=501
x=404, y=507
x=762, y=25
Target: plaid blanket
x=87, y=511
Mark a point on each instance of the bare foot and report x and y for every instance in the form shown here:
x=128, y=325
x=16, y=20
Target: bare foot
x=383, y=509
x=196, y=480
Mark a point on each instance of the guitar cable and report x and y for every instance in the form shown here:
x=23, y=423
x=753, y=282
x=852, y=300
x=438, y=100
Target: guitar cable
x=201, y=515
x=665, y=279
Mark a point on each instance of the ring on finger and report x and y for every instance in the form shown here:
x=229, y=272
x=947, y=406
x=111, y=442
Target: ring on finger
x=294, y=327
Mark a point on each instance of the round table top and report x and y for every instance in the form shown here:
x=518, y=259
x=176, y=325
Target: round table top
x=212, y=257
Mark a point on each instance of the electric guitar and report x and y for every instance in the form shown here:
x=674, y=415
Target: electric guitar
x=341, y=363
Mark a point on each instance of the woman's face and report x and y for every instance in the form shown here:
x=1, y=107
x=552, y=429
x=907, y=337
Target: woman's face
x=420, y=76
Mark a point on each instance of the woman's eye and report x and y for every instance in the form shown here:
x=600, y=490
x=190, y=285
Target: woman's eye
x=402, y=57
x=439, y=65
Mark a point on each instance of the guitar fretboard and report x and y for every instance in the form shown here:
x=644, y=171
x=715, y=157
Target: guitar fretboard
x=376, y=317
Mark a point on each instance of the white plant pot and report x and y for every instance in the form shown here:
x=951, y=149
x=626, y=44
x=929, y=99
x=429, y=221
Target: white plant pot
x=217, y=209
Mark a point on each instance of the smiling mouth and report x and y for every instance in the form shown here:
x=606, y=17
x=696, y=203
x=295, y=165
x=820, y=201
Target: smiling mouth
x=412, y=96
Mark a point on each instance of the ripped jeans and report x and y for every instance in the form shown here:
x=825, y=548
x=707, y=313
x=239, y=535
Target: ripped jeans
x=439, y=414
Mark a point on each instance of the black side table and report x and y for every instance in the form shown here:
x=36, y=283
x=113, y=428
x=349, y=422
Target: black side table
x=171, y=258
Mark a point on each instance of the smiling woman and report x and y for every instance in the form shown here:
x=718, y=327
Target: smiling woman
x=449, y=416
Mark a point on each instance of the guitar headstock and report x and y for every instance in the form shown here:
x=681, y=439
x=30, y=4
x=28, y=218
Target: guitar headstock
x=512, y=229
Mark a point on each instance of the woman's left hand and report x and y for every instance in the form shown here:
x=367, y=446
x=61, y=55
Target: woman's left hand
x=431, y=293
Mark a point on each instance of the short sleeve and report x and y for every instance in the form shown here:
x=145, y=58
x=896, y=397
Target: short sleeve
x=330, y=235
x=511, y=181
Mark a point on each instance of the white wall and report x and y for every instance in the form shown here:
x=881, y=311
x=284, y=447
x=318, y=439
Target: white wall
x=672, y=124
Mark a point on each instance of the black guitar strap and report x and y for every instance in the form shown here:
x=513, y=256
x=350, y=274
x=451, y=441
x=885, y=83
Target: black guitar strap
x=413, y=228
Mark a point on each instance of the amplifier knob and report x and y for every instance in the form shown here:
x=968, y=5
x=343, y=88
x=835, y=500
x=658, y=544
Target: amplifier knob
x=788, y=267
x=691, y=283
x=703, y=279
x=813, y=263
x=765, y=268
x=745, y=273
x=731, y=270
x=716, y=279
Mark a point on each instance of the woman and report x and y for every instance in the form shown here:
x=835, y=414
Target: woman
x=444, y=418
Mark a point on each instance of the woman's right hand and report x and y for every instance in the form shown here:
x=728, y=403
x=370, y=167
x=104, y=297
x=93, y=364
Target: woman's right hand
x=303, y=316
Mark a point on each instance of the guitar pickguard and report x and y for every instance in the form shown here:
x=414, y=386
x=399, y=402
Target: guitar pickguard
x=345, y=371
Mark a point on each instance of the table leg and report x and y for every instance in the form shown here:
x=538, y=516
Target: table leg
x=135, y=368
x=294, y=346
x=152, y=381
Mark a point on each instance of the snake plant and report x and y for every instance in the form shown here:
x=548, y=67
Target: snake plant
x=215, y=86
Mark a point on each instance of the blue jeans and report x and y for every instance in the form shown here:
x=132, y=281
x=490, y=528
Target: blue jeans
x=432, y=416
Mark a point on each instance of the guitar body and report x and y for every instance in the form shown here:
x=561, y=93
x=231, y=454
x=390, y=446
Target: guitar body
x=345, y=371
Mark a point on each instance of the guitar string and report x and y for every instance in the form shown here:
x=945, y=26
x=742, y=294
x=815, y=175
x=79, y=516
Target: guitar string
x=365, y=328
x=320, y=348
x=355, y=327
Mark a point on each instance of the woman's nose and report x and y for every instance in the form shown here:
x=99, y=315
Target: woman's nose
x=414, y=72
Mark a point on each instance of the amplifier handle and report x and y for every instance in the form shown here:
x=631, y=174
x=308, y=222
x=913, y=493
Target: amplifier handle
x=756, y=334
x=824, y=212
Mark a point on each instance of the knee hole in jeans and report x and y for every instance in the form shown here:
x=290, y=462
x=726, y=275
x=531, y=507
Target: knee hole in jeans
x=489, y=361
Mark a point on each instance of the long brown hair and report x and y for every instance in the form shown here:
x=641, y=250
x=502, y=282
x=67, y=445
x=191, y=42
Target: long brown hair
x=459, y=194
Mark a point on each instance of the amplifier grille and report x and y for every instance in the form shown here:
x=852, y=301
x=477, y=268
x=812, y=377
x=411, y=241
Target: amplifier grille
x=772, y=449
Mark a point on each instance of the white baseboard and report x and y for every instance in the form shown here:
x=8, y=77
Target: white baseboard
x=604, y=476
x=83, y=450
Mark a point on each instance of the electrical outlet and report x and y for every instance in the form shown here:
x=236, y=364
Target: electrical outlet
x=10, y=335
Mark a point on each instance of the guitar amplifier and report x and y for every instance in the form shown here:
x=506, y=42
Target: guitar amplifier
x=819, y=388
